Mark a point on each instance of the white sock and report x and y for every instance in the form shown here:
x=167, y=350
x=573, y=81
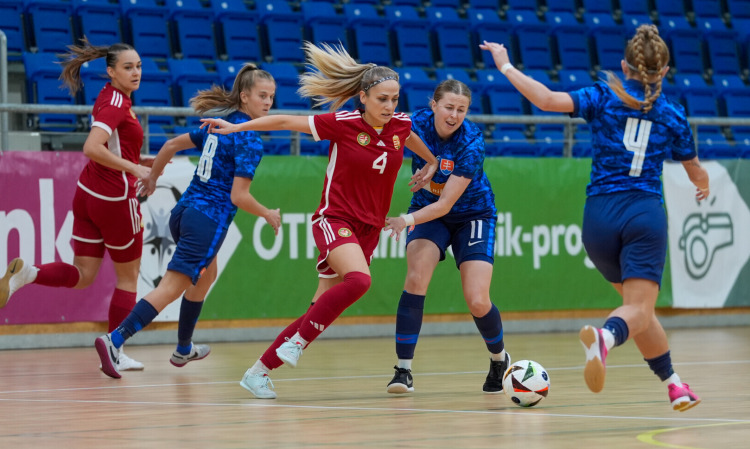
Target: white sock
x=404, y=363
x=297, y=339
x=609, y=339
x=500, y=357
x=674, y=379
x=259, y=367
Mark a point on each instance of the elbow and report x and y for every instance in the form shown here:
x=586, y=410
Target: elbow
x=89, y=150
x=235, y=198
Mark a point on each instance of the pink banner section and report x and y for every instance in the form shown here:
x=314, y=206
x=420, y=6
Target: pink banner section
x=36, y=221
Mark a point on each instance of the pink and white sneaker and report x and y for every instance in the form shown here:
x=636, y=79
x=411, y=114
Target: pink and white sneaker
x=682, y=397
x=593, y=343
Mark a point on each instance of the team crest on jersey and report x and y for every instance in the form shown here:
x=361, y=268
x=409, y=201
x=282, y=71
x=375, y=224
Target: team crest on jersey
x=396, y=142
x=132, y=114
x=345, y=232
x=363, y=139
x=446, y=166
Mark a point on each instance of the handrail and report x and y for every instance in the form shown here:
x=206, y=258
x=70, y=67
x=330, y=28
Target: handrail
x=4, y=126
x=145, y=111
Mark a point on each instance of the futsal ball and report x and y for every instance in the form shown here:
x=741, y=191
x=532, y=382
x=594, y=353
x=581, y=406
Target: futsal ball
x=526, y=383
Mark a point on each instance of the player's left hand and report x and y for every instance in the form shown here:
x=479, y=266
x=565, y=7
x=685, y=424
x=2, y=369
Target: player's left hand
x=395, y=225
x=422, y=177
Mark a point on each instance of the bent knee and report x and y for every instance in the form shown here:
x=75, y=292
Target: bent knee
x=359, y=281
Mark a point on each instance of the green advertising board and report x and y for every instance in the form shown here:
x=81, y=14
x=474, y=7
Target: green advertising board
x=540, y=262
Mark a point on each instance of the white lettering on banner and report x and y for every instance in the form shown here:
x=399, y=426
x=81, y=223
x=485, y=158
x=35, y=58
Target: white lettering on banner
x=51, y=241
x=544, y=240
x=263, y=252
x=293, y=220
x=20, y=221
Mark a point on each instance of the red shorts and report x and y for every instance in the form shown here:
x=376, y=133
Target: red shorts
x=330, y=233
x=100, y=224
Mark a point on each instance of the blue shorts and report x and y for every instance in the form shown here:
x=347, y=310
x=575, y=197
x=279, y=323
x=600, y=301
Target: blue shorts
x=625, y=235
x=470, y=240
x=198, y=240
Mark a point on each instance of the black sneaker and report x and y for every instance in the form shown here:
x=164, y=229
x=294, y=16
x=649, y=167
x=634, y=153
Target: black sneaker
x=402, y=381
x=494, y=382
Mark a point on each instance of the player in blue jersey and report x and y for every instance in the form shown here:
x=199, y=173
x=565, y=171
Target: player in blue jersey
x=634, y=129
x=456, y=209
x=201, y=218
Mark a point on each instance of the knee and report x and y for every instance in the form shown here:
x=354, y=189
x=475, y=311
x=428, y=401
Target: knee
x=479, y=306
x=359, y=282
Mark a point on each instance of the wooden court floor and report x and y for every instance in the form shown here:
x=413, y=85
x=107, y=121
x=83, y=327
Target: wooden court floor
x=336, y=398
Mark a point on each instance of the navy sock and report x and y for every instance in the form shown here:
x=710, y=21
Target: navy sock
x=661, y=366
x=619, y=329
x=491, y=328
x=141, y=316
x=408, y=324
x=189, y=313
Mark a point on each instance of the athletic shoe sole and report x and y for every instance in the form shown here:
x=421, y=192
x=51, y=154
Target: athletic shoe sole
x=108, y=367
x=594, y=371
x=14, y=267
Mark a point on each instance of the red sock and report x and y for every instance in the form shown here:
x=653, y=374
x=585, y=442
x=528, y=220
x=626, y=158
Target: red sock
x=269, y=358
x=120, y=305
x=57, y=274
x=332, y=303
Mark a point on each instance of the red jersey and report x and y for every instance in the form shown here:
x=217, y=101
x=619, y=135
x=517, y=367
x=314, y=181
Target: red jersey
x=112, y=113
x=362, y=165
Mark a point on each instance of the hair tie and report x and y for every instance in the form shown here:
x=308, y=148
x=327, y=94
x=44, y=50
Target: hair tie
x=376, y=82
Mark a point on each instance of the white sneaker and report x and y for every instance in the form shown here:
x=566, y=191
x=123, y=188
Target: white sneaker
x=16, y=276
x=108, y=354
x=259, y=384
x=125, y=363
x=289, y=352
x=197, y=352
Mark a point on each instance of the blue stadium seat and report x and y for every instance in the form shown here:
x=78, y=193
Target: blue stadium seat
x=323, y=24
x=411, y=3
x=670, y=8
x=98, y=20
x=287, y=83
x=514, y=6
x=569, y=6
x=707, y=8
x=570, y=41
x=43, y=87
x=686, y=49
x=452, y=37
x=155, y=90
x=531, y=39
x=455, y=4
x=726, y=84
x=192, y=29
x=283, y=29
x=410, y=35
x=723, y=53
x=145, y=25
x=11, y=22
x=737, y=104
x=369, y=34
x=49, y=23
x=488, y=4
x=487, y=26
x=715, y=146
x=371, y=2
x=635, y=7
x=228, y=71
x=597, y=7
x=609, y=40
x=633, y=21
x=276, y=142
x=93, y=78
x=188, y=77
x=738, y=9
x=510, y=142
x=416, y=88
x=571, y=80
x=550, y=143
x=501, y=102
x=157, y=137
x=237, y=30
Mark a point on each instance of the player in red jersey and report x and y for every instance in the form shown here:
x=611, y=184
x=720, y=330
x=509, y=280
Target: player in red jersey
x=365, y=154
x=106, y=213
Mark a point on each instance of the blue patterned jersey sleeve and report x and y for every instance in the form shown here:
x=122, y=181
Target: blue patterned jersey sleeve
x=471, y=160
x=197, y=135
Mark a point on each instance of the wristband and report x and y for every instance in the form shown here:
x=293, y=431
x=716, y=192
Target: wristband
x=507, y=66
x=703, y=190
x=409, y=219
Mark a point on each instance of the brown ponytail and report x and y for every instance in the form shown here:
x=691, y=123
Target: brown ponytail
x=79, y=54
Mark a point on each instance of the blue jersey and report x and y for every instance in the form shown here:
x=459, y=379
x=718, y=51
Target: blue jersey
x=461, y=155
x=223, y=158
x=630, y=146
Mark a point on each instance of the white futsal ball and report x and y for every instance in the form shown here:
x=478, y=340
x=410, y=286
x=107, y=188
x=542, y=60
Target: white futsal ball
x=526, y=383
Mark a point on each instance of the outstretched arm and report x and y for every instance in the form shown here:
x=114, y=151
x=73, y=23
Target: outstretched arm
x=534, y=91
x=166, y=153
x=698, y=176
x=268, y=123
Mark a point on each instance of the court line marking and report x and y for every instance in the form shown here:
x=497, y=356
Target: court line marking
x=535, y=412
x=649, y=437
